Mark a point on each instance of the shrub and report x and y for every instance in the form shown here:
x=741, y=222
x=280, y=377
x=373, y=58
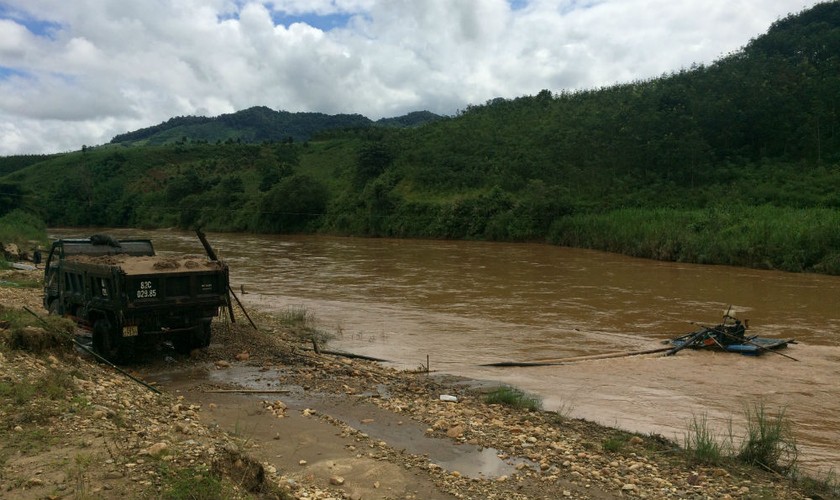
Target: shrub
x=614, y=443
x=514, y=397
x=21, y=332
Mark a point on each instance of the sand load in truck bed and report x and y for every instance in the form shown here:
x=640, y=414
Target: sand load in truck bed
x=147, y=265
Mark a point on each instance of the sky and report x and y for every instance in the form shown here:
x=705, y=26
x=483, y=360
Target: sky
x=79, y=72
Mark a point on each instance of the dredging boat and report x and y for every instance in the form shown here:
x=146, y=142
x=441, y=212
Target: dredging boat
x=730, y=336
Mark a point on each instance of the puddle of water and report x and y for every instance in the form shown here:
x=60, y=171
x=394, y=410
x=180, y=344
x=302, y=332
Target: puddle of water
x=404, y=434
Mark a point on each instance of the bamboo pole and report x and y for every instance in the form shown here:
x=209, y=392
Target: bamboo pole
x=247, y=391
x=212, y=254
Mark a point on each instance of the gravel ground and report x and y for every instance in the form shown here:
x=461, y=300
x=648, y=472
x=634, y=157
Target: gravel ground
x=74, y=428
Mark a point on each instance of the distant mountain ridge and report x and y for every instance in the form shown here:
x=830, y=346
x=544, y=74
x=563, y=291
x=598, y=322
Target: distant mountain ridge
x=261, y=124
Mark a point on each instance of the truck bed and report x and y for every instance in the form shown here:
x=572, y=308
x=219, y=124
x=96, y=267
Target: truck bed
x=133, y=266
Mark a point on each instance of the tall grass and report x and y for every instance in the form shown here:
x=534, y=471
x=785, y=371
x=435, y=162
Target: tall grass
x=192, y=483
x=296, y=316
x=703, y=445
x=515, y=398
x=826, y=486
x=22, y=228
x=769, y=442
x=300, y=323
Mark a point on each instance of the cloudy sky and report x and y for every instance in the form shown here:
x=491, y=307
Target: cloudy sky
x=78, y=72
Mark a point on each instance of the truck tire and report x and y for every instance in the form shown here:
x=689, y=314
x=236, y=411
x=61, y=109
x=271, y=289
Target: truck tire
x=54, y=307
x=201, y=336
x=182, y=342
x=106, y=340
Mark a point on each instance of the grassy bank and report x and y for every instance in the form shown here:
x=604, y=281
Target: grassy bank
x=23, y=229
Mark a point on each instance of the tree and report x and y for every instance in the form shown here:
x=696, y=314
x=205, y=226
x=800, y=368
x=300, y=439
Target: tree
x=372, y=160
x=10, y=197
x=292, y=205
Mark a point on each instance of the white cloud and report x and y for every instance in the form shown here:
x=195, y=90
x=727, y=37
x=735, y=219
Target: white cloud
x=74, y=73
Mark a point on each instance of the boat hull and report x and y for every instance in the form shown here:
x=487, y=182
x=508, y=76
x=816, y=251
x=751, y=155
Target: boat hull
x=713, y=339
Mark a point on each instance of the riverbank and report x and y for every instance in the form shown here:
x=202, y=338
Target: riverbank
x=320, y=432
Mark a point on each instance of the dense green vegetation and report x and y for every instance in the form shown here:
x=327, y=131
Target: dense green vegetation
x=23, y=229
x=13, y=163
x=737, y=162
x=259, y=124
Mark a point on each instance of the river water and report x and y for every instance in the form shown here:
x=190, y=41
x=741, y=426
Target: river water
x=463, y=304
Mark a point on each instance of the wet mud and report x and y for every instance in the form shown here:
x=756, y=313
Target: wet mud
x=297, y=438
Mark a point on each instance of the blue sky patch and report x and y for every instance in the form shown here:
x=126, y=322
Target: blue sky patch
x=324, y=23
x=7, y=72
x=518, y=4
x=37, y=27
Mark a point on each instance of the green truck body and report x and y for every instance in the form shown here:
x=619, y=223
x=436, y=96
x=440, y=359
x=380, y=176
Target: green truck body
x=124, y=293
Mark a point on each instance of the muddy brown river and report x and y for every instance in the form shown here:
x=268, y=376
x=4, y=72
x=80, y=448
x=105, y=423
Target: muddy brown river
x=463, y=304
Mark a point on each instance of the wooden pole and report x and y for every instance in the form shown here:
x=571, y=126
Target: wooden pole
x=243, y=308
x=687, y=343
x=212, y=254
x=206, y=244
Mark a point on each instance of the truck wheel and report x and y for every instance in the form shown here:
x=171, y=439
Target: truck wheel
x=201, y=336
x=53, y=308
x=106, y=340
x=182, y=342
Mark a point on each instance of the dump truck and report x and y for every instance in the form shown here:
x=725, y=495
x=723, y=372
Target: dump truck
x=124, y=293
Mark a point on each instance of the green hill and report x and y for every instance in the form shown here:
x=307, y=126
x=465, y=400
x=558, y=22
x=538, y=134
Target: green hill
x=259, y=124
x=737, y=162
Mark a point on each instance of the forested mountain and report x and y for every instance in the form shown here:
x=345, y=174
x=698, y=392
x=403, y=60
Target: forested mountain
x=736, y=162
x=413, y=119
x=259, y=124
